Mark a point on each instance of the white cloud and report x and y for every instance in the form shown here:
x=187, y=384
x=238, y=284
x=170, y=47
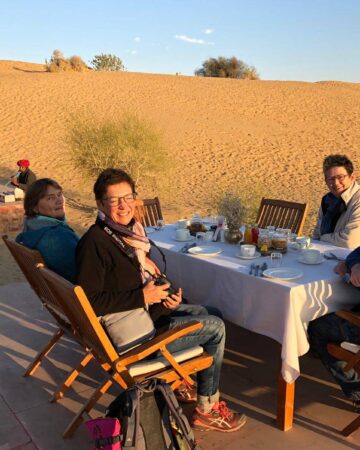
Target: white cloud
x=137, y=39
x=190, y=40
x=208, y=31
x=133, y=52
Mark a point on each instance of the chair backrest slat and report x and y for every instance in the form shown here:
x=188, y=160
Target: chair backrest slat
x=27, y=259
x=281, y=213
x=81, y=316
x=148, y=211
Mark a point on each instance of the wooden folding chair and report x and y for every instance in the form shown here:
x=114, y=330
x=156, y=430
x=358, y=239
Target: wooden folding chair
x=148, y=211
x=128, y=368
x=350, y=353
x=27, y=261
x=282, y=214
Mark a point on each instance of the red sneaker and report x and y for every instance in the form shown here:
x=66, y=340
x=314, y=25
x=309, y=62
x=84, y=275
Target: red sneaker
x=220, y=418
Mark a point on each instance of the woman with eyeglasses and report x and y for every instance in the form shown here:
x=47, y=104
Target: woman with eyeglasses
x=339, y=214
x=117, y=275
x=46, y=229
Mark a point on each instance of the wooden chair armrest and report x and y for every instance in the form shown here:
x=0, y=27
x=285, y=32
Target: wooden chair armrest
x=350, y=316
x=161, y=340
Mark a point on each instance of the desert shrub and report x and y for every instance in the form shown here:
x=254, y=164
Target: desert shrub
x=107, y=62
x=250, y=73
x=226, y=68
x=248, y=196
x=77, y=64
x=130, y=143
x=58, y=63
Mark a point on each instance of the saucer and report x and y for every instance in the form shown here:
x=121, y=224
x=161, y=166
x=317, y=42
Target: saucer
x=174, y=238
x=257, y=255
x=319, y=261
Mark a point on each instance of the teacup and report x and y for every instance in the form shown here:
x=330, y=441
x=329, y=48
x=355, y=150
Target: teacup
x=303, y=241
x=182, y=223
x=182, y=234
x=247, y=250
x=311, y=256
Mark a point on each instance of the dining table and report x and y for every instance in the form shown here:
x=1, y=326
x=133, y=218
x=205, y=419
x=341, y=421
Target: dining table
x=277, y=308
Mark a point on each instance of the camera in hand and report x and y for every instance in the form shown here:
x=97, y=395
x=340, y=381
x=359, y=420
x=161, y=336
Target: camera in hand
x=160, y=280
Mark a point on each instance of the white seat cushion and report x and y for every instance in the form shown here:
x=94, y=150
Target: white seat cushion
x=353, y=348
x=146, y=366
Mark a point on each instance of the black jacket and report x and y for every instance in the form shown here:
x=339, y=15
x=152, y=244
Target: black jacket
x=111, y=279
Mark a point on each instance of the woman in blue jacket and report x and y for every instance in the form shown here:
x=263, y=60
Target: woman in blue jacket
x=332, y=328
x=45, y=227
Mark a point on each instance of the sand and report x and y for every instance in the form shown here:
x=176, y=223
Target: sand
x=269, y=137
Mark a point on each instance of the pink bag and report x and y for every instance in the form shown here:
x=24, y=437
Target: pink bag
x=105, y=432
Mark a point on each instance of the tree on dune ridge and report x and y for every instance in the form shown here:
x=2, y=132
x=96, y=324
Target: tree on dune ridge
x=107, y=62
x=222, y=67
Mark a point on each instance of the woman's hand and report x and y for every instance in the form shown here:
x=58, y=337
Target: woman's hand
x=155, y=294
x=355, y=275
x=173, y=301
x=341, y=268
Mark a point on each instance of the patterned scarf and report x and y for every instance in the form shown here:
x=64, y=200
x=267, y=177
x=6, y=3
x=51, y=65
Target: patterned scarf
x=134, y=236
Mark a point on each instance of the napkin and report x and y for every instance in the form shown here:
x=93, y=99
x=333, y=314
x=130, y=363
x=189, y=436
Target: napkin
x=340, y=253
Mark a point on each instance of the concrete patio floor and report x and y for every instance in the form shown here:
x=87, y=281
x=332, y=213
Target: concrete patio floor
x=29, y=421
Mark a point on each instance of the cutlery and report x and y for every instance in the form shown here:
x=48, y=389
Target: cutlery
x=257, y=267
x=262, y=268
x=186, y=248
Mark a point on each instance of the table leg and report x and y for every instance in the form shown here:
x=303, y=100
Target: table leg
x=285, y=404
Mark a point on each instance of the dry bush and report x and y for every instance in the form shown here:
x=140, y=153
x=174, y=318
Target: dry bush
x=250, y=73
x=58, y=63
x=77, y=64
x=222, y=67
x=249, y=196
x=130, y=143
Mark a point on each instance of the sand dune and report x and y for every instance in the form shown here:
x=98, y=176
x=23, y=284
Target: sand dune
x=269, y=136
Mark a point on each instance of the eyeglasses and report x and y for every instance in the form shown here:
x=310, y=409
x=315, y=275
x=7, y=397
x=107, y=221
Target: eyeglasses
x=339, y=178
x=115, y=201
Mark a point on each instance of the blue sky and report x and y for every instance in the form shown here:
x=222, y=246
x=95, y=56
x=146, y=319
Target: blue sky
x=306, y=40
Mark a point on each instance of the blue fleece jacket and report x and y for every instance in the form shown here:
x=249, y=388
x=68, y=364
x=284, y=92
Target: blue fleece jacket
x=353, y=258
x=56, y=242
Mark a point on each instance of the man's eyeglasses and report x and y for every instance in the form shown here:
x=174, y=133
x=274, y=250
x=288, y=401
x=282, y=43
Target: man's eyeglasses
x=115, y=201
x=339, y=178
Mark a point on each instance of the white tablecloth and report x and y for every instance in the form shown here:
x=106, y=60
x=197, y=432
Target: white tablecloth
x=277, y=309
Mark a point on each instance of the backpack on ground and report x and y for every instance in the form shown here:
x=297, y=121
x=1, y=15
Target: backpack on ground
x=105, y=432
x=151, y=418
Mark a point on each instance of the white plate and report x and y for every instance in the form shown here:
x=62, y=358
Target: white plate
x=283, y=273
x=204, y=251
x=149, y=230
x=303, y=261
x=183, y=240
x=257, y=255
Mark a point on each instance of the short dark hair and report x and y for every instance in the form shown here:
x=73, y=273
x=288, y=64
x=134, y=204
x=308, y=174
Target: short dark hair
x=35, y=192
x=109, y=177
x=338, y=161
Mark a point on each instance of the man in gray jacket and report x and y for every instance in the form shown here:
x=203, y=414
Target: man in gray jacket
x=339, y=214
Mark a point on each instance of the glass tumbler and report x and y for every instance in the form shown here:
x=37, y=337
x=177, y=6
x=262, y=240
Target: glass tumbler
x=275, y=260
